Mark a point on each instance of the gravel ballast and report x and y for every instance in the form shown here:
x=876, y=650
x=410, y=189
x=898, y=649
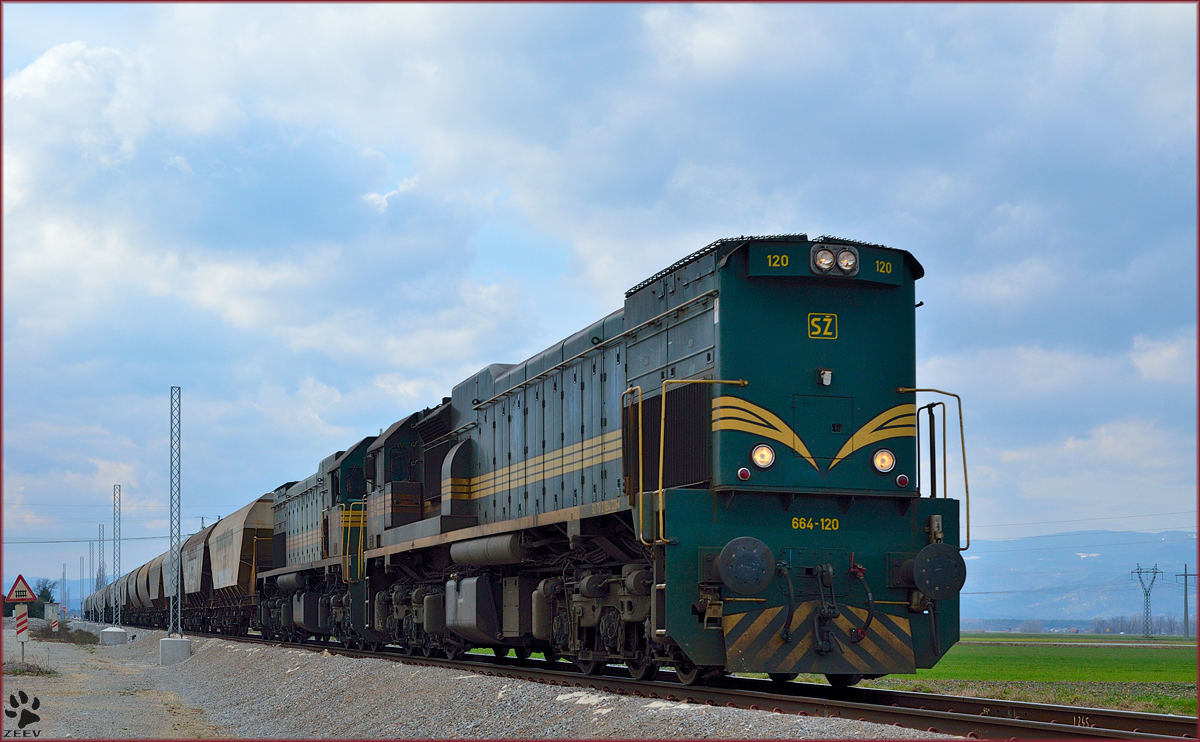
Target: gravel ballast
x=244, y=690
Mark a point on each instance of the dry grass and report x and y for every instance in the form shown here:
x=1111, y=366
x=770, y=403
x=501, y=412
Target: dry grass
x=33, y=666
x=70, y=636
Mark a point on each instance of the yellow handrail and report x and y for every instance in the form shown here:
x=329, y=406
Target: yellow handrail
x=362, y=534
x=662, y=434
x=347, y=524
x=963, y=440
x=641, y=461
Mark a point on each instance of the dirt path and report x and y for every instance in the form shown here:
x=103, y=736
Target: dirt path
x=98, y=694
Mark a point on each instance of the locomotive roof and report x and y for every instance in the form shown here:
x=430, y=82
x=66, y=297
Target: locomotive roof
x=343, y=455
x=918, y=271
x=381, y=440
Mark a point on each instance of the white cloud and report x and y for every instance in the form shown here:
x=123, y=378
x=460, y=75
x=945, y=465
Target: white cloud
x=74, y=93
x=16, y=512
x=1030, y=375
x=17, y=178
x=723, y=41
x=1170, y=361
x=1142, y=54
x=1021, y=373
x=1011, y=287
x=64, y=269
x=1097, y=474
x=302, y=412
x=180, y=163
x=380, y=203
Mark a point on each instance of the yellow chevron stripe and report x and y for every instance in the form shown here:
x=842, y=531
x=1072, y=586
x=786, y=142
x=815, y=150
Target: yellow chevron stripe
x=747, y=638
x=798, y=618
x=802, y=648
x=732, y=413
x=898, y=422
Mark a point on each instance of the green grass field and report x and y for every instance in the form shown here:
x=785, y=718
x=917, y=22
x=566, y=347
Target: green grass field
x=1006, y=636
x=1043, y=662
x=1062, y=668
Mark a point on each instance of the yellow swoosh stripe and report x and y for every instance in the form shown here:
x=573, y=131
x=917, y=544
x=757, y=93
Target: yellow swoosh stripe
x=732, y=413
x=898, y=422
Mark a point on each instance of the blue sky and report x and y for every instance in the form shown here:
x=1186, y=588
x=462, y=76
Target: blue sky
x=316, y=219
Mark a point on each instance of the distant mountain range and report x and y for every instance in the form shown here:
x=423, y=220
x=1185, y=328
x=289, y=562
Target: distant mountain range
x=1080, y=575
x=1065, y=576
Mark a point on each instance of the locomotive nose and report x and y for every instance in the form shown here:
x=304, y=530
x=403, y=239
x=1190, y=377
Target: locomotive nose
x=939, y=570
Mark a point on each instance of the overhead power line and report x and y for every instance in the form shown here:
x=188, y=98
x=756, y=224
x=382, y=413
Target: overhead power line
x=80, y=540
x=1055, y=589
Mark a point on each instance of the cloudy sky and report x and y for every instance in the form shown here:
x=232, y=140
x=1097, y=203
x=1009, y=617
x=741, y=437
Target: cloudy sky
x=317, y=219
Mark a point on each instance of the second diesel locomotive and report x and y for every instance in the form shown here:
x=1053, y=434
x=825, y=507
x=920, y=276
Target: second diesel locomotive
x=721, y=476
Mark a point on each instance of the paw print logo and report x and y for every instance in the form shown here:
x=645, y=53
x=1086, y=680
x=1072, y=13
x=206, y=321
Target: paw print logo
x=27, y=715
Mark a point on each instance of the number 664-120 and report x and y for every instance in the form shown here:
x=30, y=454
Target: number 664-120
x=815, y=524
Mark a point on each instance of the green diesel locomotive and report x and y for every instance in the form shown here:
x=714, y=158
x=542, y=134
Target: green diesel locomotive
x=722, y=476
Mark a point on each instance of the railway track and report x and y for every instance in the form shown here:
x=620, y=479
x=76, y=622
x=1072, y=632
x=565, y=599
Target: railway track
x=965, y=716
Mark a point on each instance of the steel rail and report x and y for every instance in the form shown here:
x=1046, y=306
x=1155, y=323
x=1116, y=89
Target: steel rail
x=980, y=718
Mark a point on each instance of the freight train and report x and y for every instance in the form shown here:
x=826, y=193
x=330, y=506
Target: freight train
x=721, y=476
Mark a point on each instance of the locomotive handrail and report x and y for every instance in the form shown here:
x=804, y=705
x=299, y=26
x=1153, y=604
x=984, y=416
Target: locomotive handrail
x=254, y=565
x=963, y=441
x=932, y=445
x=641, y=460
x=347, y=524
x=594, y=348
x=662, y=435
x=362, y=535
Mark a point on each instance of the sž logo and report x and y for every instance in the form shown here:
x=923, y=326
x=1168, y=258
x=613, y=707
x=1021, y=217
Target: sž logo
x=19, y=703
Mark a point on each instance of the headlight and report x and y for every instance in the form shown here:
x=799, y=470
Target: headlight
x=824, y=259
x=847, y=260
x=762, y=456
x=884, y=460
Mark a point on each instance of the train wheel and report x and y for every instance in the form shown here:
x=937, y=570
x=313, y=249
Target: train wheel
x=688, y=673
x=453, y=652
x=429, y=650
x=843, y=681
x=521, y=653
x=783, y=677
x=591, y=667
x=642, y=669
x=550, y=654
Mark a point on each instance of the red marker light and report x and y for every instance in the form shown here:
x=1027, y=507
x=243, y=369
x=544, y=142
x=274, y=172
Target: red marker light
x=901, y=480
x=743, y=474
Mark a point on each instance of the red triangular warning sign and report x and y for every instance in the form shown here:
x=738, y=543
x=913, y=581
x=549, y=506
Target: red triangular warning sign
x=20, y=592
